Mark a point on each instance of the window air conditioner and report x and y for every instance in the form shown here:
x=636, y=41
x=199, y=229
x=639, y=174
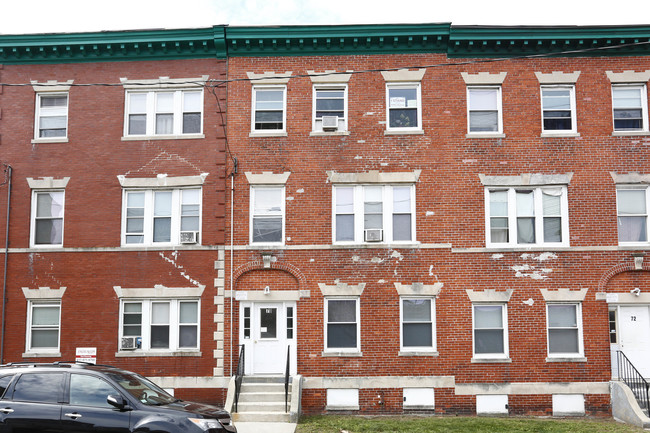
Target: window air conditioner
x=373, y=235
x=128, y=343
x=330, y=123
x=189, y=237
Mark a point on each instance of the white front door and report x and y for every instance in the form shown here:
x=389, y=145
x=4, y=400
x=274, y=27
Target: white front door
x=267, y=331
x=634, y=331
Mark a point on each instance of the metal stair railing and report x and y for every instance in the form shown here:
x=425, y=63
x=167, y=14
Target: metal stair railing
x=632, y=378
x=239, y=374
x=286, y=381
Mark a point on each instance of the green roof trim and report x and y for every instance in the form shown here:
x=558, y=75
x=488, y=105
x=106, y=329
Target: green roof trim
x=274, y=41
x=113, y=46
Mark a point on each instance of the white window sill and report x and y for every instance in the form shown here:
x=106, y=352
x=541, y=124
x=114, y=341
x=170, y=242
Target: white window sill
x=566, y=359
x=341, y=354
x=524, y=247
x=333, y=408
x=50, y=140
x=43, y=246
x=404, y=132
x=268, y=134
x=630, y=133
x=143, y=353
x=42, y=355
x=633, y=244
x=560, y=134
x=417, y=353
x=409, y=244
x=485, y=135
x=325, y=133
x=476, y=360
x=164, y=246
x=162, y=137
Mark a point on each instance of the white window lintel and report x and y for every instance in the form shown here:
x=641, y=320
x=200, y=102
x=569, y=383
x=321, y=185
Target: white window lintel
x=483, y=78
x=557, y=77
x=159, y=291
x=564, y=295
x=630, y=178
x=403, y=75
x=48, y=183
x=418, y=289
x=489, y=295
x=374, y=176
x=628, y=76
x=526, y=179
x=269, y=77
x=341, y=289
x=329, y=77
x=164, y=83
x=161, y=180
x=267, y=178
x=52, y=86
x=43, y=293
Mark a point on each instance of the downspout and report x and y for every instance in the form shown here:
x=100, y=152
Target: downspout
x=8, y=170
x=232, y=253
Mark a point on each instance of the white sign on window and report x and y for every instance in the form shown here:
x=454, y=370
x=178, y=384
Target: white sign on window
x=398, y=102
x=87, y=354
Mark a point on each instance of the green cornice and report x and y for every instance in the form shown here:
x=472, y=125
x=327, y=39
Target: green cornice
x=337, y=40
x=113, y=46
x=275, y=41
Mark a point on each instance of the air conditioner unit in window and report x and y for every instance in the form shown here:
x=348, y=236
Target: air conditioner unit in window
x=189, y=237
x=373, y=235
x=128, y=343
x=330, y=123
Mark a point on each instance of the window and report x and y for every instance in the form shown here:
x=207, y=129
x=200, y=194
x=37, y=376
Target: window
x=90, y=391
x=267, y=214
x=51, y=115
x=564, y=330
x=44, y=321
x=630, y=105
x=47, y=218
x=374, y=213
x=173, y=112
x=39, y=388
x=484, y=109
x=404, y=111
x=160, y=324
x=330, y=107
x=558, y=109
x=418, y=333
x=269, y=108
x=525, y=216
x=342, y=325
x=490, y=331
x=152, y=217
x=632, y=214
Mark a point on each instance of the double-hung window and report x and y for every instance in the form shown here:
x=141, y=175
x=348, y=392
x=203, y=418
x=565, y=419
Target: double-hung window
x=404, y=107
x=564, y=323
x=342, y=331
x=630, y=105
x=632, y=209
x=330, y=108
x=418, y=324
x=269, y=108
x=171, y=112
x=44, y=322
x=558, y=109
x=47, y=218
x=51, y=115
x=526, y=216
x=161, y=216
x=159, y=324
x=490, y=331
x=374, y=213
x=267, y=214
x=484, y=110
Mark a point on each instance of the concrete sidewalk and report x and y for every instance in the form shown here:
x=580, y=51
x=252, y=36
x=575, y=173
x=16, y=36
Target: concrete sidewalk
x=265, y=427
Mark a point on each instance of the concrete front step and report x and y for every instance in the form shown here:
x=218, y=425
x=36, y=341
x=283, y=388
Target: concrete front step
x=258, y=406
x=260, y=417
x=247, y=397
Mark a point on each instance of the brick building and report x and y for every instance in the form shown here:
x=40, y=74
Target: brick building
x=116, y=146
x=442, y=219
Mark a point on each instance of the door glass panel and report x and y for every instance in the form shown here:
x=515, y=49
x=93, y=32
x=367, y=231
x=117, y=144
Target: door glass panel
x=268, y=322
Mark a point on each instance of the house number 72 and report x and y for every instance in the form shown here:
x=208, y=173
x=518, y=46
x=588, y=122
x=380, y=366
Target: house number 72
x=633, y=318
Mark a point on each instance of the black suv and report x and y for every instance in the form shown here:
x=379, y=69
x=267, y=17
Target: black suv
x=77, y=397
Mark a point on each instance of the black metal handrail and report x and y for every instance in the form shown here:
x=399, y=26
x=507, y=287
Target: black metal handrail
x=239, y=374
x=632, y=378
x=286, y=381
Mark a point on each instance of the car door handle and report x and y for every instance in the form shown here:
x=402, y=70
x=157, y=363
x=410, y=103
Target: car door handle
x=73, y=415
x=6, y=410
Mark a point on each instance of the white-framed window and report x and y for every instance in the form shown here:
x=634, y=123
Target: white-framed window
x=490, y=324
x=630, y=107
x=632, y=212
x=417, y=317
x=558, y=109
x=342, y=330
x=404, y=107
x=163, y=113
x=269, y=108
x=47, y=218
x=374, y=213
x=564, y=324
x=159, y=324
x=161, y=216
x=44, y=326
x=330, y=108
x=51, y=115
x=527, y=216
x=484, y=112
x=267, y=214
